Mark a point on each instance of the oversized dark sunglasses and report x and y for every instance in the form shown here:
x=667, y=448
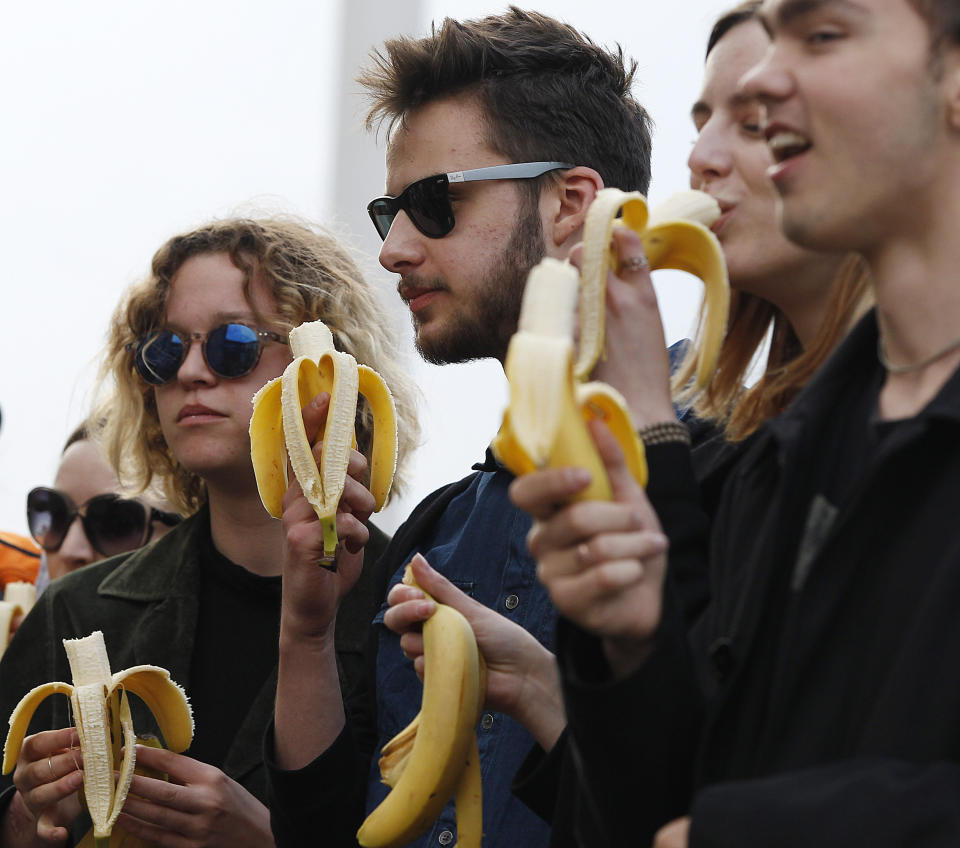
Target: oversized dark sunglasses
x=230, y=351
x=113, y=524
x=427, y=201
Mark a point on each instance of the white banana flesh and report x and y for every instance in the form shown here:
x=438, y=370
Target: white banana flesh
x=104, y=724
x=277, y=431
x=436, y=755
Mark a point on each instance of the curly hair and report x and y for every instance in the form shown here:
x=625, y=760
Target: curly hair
x=310, y=275
x=547, y=91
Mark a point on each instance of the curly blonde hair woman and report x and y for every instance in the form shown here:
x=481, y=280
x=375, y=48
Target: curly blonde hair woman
x=204, y=601
x=310, y=276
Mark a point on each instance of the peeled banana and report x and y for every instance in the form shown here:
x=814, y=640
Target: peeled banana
x=18, y=597
x=675, y=235
x=546, y=421
x=276, y=429
x=436, y=755
x=550, y=405
x=104, y=723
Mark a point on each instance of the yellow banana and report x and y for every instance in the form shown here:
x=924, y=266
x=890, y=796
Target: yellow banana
x=18, y=597
x=104, y=723
x=277, y=431
x=436, y=755
x=675, y=235
x=546, y=422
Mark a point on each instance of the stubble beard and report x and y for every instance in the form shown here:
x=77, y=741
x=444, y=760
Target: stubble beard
x=483, y=328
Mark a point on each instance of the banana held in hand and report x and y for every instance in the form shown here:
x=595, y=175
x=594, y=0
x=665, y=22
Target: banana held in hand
x=104, y=723
x=675, y=235
x=276, y=429
x=545, y=424
x=436, y=755
x=18, y=597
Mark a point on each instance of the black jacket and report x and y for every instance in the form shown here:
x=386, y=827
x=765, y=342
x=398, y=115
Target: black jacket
x=822, y=690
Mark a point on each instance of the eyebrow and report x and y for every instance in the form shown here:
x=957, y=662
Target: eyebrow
x=737, y=100
x=790, y=10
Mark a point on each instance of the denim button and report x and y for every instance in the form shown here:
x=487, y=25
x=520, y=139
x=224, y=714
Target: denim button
x=487, y=721
x=511, y=602
x=446, y=837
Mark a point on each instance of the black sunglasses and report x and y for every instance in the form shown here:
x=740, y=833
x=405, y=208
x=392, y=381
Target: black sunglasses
x=231, y=350
x=427, y=201
x=113, y=524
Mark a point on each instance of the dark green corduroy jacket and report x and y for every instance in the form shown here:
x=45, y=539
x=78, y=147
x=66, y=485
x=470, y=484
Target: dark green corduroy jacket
x=146, y=604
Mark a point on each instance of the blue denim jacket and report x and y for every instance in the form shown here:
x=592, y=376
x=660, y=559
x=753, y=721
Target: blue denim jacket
x=479, y=544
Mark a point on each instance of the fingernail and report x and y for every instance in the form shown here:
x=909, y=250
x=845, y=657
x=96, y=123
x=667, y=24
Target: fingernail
x=577, y=476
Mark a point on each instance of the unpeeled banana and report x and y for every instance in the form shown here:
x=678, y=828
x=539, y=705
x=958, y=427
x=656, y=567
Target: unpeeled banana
x=276, y=429
x=18, y=597
x=104, y=723
x=545, y=423
x=436, y=755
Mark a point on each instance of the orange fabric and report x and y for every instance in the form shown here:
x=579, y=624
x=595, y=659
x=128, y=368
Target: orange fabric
x=19, y=558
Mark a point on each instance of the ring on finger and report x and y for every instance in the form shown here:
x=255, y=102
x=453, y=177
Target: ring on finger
x=53, y=774
x=635, y=263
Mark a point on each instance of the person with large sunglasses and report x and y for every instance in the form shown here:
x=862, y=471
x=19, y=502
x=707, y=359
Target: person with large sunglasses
x=501, y=132
x=87, y=514
x=187, y=349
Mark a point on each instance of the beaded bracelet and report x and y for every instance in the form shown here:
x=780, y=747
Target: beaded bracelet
x=664, y=432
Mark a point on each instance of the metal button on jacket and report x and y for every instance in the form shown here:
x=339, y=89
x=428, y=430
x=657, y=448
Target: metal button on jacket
x=446, y=837
x=511, y=602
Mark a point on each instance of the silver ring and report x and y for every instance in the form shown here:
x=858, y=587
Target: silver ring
x=635, y=263
x=53, y=774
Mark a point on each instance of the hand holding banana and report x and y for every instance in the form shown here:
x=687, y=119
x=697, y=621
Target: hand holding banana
x=277, y=430
x=549, y=406
x=436, y=755
x=104, y=723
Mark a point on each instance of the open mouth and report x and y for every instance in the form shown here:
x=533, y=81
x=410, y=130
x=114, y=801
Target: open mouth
x=785, y=144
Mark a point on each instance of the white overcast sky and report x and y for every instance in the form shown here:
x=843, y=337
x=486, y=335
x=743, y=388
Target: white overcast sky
x=126, y=121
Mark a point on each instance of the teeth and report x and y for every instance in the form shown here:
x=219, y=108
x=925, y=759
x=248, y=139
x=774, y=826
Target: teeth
x=785, y=144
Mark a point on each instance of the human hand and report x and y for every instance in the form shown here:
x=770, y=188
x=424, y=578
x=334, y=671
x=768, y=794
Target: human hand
x=603, y=562
x=673, y=835
x=636, y=362
x=311, y=594
x=522, y=677
x=47, y=777
x=198, y=806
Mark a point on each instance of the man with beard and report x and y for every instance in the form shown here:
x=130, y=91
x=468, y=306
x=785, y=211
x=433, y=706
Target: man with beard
x=501, y=132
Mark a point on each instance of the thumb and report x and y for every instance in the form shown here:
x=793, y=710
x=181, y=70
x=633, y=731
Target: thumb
x=614, y=462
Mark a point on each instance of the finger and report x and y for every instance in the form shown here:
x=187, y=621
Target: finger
x=412, y=645
x=357, y=466
x=155, y=824
x=582, y=521
x=576, y=255
x=180, y=768
x=315, y=416
x=406, y=616
x=51, y=792
x=49, y=831
x=357, y=499
x=543, y=493
x=352, y=532
x=611, y=547
x=401, y=592
x=632, y=262
x=624, y=487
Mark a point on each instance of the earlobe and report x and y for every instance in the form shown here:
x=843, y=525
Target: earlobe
x=574, y=193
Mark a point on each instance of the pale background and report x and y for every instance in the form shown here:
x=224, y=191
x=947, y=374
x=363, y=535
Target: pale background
x=126, y=121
